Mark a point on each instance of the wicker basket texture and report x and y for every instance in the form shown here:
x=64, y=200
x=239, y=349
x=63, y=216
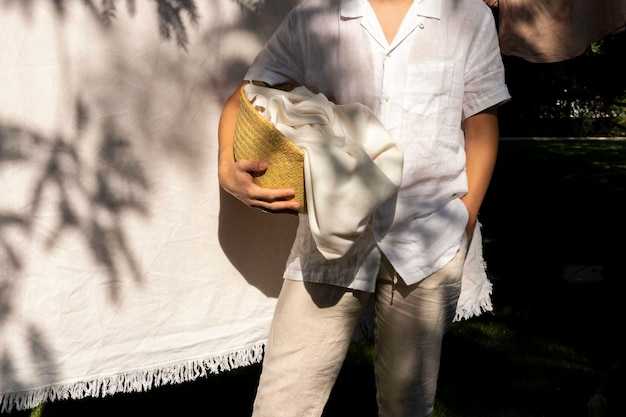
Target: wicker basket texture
x=257, y=139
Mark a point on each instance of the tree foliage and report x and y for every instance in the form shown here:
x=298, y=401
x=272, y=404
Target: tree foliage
x=584, y=96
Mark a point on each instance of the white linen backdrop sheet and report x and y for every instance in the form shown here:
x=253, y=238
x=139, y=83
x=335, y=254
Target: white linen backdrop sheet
x=123, y=266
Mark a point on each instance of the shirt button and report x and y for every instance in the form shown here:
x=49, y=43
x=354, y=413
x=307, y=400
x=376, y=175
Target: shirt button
x=386, y=98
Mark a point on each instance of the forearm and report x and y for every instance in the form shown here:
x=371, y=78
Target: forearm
x=481, y=148
x=226, y=130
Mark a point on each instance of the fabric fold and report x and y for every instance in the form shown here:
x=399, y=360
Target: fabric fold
x=351, y=163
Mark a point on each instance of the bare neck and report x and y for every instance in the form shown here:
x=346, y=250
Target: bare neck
x=390, y=14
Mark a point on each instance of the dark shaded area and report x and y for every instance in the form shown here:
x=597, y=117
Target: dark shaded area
x=257, y=244
x=552, y=338
x=553, y=204
x=584, y=96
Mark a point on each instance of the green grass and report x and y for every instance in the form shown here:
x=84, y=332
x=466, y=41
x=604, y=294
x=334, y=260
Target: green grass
x=547, y=346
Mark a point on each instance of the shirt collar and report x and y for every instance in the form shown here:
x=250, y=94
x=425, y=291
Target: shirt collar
x=426, y=8
x=352, y=8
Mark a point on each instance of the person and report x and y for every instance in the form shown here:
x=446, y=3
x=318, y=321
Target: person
x=432, y=72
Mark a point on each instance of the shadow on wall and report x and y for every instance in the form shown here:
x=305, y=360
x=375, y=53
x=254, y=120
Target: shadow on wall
x=171, y=14
x=119, y=186
x=89, y=179
x=124, y=120
x=256, y=243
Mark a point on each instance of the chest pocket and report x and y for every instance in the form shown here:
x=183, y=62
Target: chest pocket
x=428, y=86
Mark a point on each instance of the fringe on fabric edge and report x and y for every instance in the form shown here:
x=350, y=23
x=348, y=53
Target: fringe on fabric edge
x=142, y=380
x=481, y=306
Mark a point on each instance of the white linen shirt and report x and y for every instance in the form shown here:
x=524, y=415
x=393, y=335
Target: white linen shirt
x=443, y=66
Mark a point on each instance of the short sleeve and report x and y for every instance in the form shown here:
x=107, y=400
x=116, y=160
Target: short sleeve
x=281, y=59
x=484, y=71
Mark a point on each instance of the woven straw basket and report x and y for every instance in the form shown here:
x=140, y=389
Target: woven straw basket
x=257, y=139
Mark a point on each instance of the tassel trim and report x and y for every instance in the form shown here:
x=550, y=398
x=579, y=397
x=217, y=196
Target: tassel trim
x=468, y=311
x=139, y=381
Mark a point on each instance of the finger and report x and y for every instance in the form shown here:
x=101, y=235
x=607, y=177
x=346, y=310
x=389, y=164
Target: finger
x=274, y=194
x=252, y=166
x=275, y=200
x=277, y=205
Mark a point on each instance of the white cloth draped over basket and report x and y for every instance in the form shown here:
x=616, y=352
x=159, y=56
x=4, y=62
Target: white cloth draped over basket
x=351, y=164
